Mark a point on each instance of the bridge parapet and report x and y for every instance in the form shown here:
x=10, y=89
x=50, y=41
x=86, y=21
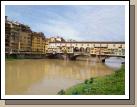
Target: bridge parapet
x=81, y=53
x=111, y=55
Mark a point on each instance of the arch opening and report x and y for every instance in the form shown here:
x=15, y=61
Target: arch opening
x=76, y=49
x=87, y=50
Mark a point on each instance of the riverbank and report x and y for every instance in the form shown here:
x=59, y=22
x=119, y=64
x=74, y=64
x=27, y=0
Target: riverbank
x=21, y=57
x=12, y=58
x=113, y=84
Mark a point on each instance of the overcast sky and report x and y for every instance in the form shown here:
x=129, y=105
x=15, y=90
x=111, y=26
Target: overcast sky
x=82, y=23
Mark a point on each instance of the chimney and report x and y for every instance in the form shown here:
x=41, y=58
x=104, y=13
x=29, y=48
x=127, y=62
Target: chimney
x=6, y=18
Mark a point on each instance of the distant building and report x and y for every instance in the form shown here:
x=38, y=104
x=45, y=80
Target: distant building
x=71, y=40
x=56, y=39
x=52, y=39
x=60, y=39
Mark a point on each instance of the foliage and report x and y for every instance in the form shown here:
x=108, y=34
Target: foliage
x=86, y=81
x=91, y=80
x=74, y=92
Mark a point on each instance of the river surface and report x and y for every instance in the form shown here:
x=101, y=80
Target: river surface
x=48, y=76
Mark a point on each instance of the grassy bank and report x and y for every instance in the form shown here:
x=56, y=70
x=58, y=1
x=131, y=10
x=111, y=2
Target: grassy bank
x=12, y=58
x=113, y=84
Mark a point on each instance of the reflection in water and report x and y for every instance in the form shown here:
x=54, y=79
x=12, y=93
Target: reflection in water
x=49, y=76
x=114, y=62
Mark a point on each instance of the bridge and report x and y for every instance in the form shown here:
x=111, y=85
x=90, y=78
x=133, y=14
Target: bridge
x=101, y=50
x=72, y=50
x=75, y=55
x=100, y=57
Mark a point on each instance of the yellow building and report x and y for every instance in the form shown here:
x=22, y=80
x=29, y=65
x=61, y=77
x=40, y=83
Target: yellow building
x=38, y=42
x=52, y=39
x=25, y=39
x=46, y=45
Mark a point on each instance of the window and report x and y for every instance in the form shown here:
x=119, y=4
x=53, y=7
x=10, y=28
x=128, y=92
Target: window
x=120, y=46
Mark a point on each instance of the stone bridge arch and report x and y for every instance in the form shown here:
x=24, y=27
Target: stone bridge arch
x=74, y=57
x=103, y=58
x=87, y=50
x=76, y=49
x=82, y=49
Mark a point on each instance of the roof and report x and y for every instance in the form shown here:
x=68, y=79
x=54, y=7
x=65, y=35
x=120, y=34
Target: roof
x=103, y=42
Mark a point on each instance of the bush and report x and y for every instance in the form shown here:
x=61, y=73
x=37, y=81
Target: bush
x=91, y=80
x=86, y=81
x=61, y=92
x=117, y=72
x=87, y=90
x=75, y=93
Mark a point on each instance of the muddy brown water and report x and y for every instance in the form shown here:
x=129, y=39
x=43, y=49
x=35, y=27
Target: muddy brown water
x=48, y=76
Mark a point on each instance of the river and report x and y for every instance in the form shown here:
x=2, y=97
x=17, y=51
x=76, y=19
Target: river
x=48, y=76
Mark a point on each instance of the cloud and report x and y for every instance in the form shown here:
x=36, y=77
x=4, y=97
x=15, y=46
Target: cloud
x=58, y=29
x=74, y=22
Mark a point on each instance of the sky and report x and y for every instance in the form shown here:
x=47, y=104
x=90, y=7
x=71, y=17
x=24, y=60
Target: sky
x=77, y=22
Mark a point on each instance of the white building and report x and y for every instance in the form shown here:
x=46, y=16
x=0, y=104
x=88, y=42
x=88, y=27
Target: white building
x=116, y=48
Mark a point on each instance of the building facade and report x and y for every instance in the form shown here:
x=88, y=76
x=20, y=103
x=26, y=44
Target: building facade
x=20, y=39
x=7, y=36
x=12, y=32
x=25, y=39
x=94, y=48
x=38, y=42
